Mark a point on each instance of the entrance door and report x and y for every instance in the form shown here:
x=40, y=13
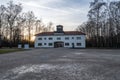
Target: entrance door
x=58, y=44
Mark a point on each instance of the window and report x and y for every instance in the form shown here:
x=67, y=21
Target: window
x=44, y=38
x=44, y=43
x=72, y=37
x=39, y=44
x=78, y=44
x=39, y=38
x=78, y=38
x=66, y=44
x=66, y=38
x=50, y=44
x=58, y=38
x=72, y=44
x=50, y=38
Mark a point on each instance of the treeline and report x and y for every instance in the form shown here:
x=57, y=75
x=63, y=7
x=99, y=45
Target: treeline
x=103, y=26
x=19, y=27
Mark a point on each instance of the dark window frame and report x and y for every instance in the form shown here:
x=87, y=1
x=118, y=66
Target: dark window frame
x=78, y=38
x=67, y=44
x=58, y=38
x=66, y=38
x=50, y=44
x=39, y=38
x=45, y=38
x=39, y=44
x=78, y=44
x=45, y=43
x=50, y=38
x=72, y=37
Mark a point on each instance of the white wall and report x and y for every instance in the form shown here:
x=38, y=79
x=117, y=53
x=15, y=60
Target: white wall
x=70, y=41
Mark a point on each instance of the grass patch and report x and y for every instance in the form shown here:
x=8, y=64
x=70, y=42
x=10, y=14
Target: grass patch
x=2, y=51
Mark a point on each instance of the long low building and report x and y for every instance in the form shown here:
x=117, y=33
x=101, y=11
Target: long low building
x=60, y=38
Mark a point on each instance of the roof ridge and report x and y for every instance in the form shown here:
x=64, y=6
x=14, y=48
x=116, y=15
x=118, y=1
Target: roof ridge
x=65, y=33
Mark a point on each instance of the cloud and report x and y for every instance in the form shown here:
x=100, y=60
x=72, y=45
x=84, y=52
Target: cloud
x=69, y=13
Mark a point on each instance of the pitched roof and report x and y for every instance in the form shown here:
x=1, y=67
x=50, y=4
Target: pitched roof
x=65, y=33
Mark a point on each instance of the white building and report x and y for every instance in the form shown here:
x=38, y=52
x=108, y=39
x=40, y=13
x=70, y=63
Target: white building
x=60, y=38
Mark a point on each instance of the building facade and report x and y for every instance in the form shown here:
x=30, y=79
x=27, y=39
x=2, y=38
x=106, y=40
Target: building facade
x=60, y=38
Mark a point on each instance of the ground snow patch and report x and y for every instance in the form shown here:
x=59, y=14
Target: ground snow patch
x=19, y=71
x=32, y=68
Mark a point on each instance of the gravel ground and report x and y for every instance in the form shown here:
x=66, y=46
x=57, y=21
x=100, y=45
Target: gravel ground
x=61, y=64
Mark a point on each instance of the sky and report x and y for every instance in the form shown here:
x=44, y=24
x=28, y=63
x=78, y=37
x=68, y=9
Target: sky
x=69, y=13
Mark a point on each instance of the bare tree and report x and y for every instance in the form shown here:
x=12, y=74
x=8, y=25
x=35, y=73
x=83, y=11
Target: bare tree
x=50, y=26
x=30, y=20
x=2, y=10
x=39, y=26
x=95, y=15
x=19, y=28
x=103, y=25
x=12, y=11
x=14, y=24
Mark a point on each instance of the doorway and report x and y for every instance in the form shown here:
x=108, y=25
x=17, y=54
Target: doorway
x=58, y=44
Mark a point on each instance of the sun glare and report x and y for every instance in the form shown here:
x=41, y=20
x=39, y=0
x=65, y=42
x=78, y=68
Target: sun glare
x=32, y=38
